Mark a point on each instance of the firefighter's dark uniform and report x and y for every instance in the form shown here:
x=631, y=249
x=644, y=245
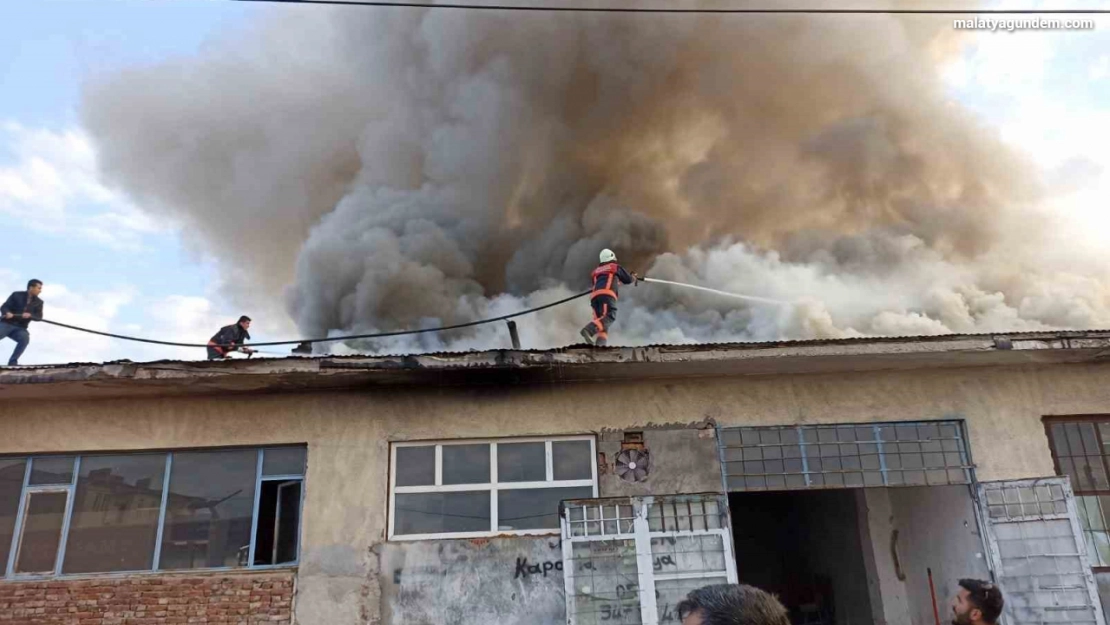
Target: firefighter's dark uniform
x=227, y=340
x=603, y=299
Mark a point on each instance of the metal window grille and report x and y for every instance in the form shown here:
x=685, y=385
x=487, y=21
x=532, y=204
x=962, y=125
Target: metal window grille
x=632, y=560
x=923, y=453
x=1036, y=550
x=1079, y=452
x=68, y=482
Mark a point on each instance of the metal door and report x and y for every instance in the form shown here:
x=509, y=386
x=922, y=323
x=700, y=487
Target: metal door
x=1037, y=552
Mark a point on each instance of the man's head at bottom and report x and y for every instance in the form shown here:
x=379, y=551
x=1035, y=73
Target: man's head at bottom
x=731, y=604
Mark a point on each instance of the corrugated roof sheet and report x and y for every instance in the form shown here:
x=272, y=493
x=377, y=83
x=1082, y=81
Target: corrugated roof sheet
x=748, y=345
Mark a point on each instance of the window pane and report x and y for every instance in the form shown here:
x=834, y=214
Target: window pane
x=52, y=470
x=42, y=529
x=115, y=514
x=283, y=461
x=1082, y=479
x=521, y=462
x=1102, y=547
x=208, y=514
x=416, y=466
x=534, y=508
x=1060, y=440
x=11, y=484
x=571, y=460
x=1074, y=440
x=1090, y=442
x=435, y=513
x=466, y=464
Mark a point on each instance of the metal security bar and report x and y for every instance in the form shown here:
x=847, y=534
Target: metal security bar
x=632, y=560
x=915, y=453
x=1079, y=451
x=1037, y=552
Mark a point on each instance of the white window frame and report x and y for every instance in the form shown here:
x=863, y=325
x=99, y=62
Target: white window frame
x=493, y=486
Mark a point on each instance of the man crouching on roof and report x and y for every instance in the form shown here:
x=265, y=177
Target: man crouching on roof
x=230, y=339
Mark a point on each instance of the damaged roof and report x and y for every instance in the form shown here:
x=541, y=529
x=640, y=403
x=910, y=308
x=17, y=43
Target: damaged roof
x=570, y=364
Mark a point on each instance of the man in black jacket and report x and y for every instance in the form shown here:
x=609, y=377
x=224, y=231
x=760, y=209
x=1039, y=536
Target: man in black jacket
x=230, y=339
x=17, y=313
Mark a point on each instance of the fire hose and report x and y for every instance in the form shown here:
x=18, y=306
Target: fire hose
x=377, y=335
x=372, y=335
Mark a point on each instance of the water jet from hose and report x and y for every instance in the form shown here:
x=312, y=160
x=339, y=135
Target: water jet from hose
x=752, y=298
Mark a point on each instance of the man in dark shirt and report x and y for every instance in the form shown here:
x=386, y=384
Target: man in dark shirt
x=230, y=339
x=16, y=313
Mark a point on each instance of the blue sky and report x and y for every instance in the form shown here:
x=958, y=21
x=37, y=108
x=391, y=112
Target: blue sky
x=107, y=265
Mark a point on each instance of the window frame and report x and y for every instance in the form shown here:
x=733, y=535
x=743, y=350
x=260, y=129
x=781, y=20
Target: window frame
x=1096, y=419
x=7, y=569
x=22, y=511
x=493, y=487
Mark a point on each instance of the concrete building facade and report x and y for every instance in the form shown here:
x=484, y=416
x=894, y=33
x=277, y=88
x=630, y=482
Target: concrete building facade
x=858, y=479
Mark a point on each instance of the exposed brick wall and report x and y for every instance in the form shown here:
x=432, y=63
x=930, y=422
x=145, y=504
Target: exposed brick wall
x=226, y=598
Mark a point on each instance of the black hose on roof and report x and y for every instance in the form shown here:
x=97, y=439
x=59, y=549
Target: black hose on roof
x=373, y=335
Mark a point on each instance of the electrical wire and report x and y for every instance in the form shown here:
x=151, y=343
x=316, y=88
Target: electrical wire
x=374, y=335
x=674, y=10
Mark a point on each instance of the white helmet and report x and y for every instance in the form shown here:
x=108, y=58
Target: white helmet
x=607, y=256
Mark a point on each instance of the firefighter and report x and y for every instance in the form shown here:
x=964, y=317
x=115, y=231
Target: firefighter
x=230, y=339
x=603, y=297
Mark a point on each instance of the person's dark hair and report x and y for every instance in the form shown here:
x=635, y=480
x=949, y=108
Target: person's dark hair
x=734, y=604
x=243, y=318
x=33, y=283
x=984, y=595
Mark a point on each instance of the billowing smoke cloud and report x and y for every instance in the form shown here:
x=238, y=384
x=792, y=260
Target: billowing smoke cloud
x=384, y=169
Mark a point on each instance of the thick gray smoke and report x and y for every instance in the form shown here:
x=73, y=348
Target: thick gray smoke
x=384, y=169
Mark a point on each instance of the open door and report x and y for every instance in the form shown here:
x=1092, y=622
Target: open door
x=630, y=560
x=1037, y=552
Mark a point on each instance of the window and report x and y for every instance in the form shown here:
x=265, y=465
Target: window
x=921, y=453
x=463, y=489
x=13, y=472
x=1079, y=451
x=114, y=525
x=150, y=511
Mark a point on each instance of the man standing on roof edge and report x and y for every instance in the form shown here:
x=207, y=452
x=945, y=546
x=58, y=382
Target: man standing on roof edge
x=603, y=297
x=230, y=339
x=21, y=308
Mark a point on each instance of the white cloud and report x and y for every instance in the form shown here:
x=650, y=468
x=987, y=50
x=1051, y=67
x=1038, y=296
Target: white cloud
x=1100, y=68
x=1013, y=80
x=51, y=185
x=174, y=318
